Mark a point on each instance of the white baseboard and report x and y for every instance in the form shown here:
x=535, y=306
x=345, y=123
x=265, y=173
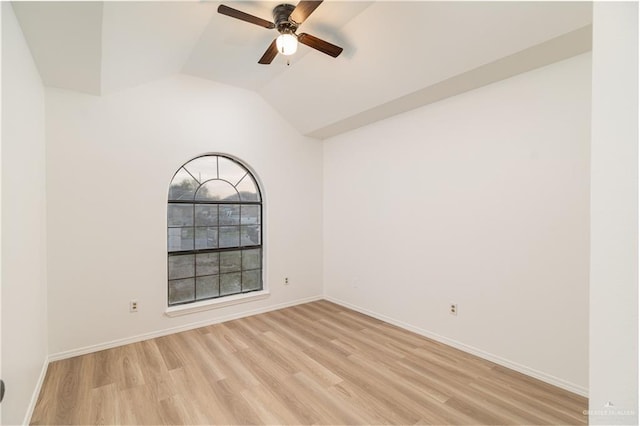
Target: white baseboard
x=571, y=387
x=36, y=393
x=164, y=332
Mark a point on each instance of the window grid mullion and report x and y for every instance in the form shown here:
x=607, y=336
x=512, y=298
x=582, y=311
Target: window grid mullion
x=195, y=263
x=218, y=244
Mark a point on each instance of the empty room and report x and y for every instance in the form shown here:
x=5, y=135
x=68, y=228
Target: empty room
x=319, y=212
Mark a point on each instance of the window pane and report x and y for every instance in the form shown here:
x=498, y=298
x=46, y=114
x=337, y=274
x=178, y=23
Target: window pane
x=207, y=264
x=181, y=266
x=217, y=190
x=206, y=215
x=203, y=168
x=229, y=261
x=230, y=214
x=251, y=280
x=210, y=227
x=248, y=189
x=229, y=236
x=207, y=287
x=230, y=171
x=180, y=215
x=230, y=284
x=181, y=291
x=206, y=238
x=250, y=215
x=183, y=186
x=250, y=235
x=251, y=259
x=180, y=239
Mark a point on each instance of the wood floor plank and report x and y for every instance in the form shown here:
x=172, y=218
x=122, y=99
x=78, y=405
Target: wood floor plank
x=387, y=395
x=334, y=409
x=130, y=367
x=47, y=403
x=304, y=362
x=316, y=363
x=138, y=407
x=367, y=402
x=168, y=351
x=104, y=405
x=270, y=410
x=205, y=407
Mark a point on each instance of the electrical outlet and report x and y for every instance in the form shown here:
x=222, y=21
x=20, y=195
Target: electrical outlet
x=286, y=280
x=133, y=306
x=453, y=309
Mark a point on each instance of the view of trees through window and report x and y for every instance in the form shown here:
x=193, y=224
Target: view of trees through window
x=214, y=231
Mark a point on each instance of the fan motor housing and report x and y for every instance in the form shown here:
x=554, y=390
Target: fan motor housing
x=281, y=15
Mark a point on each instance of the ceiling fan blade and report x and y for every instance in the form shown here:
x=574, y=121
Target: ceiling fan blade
x=319, y=44
x=269, y=54
x=234, y=13
x=303, y=10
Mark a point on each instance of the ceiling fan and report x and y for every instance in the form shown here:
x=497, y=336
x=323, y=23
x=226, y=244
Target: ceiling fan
x=287, y=18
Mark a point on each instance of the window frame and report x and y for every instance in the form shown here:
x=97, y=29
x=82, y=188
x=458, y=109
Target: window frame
x=196, y=305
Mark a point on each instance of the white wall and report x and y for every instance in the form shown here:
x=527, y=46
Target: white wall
x=24, y=292
x=481, y=200
x=613, y=352
x=109, y=163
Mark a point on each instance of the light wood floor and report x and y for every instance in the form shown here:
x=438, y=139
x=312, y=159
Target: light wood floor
x=316, y=363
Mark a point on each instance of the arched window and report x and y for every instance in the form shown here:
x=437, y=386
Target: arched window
x=214, y=221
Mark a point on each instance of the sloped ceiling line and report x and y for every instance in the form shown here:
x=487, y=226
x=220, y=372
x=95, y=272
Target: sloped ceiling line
x=546, y=53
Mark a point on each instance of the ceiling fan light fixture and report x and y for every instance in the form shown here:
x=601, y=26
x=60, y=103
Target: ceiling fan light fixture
x=287, y=44
x=286, y=20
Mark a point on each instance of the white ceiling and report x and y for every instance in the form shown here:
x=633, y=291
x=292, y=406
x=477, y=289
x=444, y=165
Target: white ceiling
x=397, y=55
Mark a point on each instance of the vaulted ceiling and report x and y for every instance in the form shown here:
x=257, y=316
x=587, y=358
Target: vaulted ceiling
x=397, y=55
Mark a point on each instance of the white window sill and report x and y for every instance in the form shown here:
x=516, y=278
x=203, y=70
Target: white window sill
x=206, y=305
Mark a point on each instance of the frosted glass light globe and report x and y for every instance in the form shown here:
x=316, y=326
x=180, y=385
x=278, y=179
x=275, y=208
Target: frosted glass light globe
x=287, y=44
